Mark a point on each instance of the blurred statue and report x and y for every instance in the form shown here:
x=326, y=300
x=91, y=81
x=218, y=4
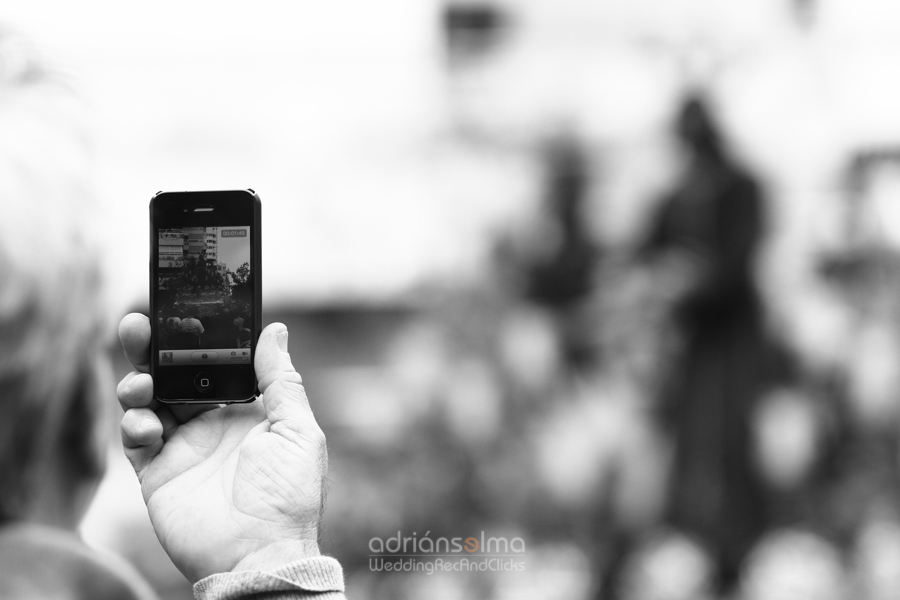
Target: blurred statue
x=702, y=244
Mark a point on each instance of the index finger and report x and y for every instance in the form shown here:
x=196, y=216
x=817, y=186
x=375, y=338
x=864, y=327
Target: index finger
x=134, y=333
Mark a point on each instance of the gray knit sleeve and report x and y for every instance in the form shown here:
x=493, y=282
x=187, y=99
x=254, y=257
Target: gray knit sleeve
x=318, y=578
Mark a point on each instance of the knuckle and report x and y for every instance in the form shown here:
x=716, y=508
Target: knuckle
x=126, y=432
x=287, y=385
x=128, y=425
x=123, y=386
x=291, y=378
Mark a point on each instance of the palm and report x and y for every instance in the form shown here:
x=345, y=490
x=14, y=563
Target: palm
x=223, y=481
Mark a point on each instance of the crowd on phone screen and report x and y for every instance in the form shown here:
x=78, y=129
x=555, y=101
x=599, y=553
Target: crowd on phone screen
x=185, y=332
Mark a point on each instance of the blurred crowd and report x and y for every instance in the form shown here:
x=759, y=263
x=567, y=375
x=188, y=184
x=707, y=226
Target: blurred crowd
x=637, y=408
x=633, y=410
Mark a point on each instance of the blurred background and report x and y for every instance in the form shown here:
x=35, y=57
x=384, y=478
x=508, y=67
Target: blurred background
x=619, y=278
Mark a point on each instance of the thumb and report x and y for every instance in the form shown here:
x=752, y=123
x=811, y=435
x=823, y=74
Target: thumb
x=287, y=407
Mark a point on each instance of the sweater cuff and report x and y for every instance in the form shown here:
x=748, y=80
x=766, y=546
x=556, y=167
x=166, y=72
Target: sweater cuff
x=318, y=577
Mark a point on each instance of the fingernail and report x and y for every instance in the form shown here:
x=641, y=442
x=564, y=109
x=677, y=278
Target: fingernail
x=130, y=379
x=146, y=424
x=281, y=339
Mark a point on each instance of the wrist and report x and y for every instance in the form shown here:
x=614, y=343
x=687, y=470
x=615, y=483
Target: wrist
x=277, y=554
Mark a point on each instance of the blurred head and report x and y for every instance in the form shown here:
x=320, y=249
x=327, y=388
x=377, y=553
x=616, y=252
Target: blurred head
x=51, y=318
x=696, y=127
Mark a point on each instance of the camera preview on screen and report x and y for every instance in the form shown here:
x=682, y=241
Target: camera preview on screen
x=204, y=295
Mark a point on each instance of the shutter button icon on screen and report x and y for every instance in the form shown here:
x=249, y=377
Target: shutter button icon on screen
x=203, y=382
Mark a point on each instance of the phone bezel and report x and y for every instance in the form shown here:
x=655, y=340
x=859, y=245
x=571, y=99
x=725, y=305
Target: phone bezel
x=234, y=383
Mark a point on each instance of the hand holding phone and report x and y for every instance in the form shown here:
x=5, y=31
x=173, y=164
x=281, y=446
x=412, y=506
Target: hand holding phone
x=236, y=487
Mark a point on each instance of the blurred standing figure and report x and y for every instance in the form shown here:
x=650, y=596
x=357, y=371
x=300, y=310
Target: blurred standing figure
x=565, y=273
x=558, y=268
x=703, y=241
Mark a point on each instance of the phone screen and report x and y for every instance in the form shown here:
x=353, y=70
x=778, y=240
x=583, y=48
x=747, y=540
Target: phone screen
x=204, y=296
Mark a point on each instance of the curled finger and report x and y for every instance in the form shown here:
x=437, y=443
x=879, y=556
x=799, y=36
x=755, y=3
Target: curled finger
x=136, y=391
x=142, y=436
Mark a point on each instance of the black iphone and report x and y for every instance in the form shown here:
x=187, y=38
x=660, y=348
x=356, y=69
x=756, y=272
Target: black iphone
x=205, y=295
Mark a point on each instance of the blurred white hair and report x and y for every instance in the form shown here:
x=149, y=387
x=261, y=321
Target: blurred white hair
x=52, y=321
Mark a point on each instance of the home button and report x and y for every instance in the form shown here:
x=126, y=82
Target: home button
x=204, y=383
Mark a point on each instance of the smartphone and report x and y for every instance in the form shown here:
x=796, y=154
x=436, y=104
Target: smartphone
x=205, y=295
